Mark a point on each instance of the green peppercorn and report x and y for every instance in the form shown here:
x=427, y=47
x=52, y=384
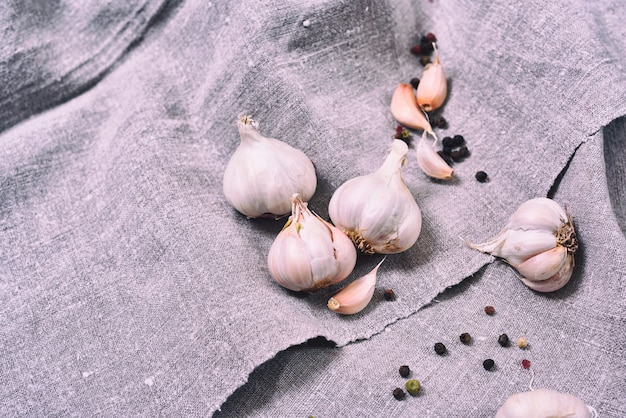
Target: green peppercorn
x=399, y=394
x=404, y=371
x=412, y=386
x=503, y=340
x=465, y=338
x=488, y=364
x=440, y=349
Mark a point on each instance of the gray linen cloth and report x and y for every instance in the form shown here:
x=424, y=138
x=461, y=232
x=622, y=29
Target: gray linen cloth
x=129, y=287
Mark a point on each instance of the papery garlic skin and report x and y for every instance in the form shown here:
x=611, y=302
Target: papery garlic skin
x=539, y=241
x=356, y=296
x=263, y=173
x=309, y=253
x=377, y=211
x=406, y=111
x=430, y=162
x=543, y=403
x=433, y=87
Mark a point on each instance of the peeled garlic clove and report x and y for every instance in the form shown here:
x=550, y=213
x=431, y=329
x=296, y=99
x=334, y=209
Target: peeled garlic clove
x=433, y=87
x=356, y=296
x=309, y=253
x=263, y=173
x=543, y=265
x=430, y=162
x=406, y=111
x=543, y=403
x=377, y=211
x=555, y=282
x=539, y=240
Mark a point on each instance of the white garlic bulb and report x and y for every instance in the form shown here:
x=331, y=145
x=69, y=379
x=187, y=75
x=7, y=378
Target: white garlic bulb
x=539, y=241
x=544, y=403
x=356, y=296
x=377, y=211
x=309, y=253
x=263, y=173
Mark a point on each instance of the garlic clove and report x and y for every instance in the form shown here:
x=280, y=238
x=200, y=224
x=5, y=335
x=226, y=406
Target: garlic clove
x=430, y=162
x=516, y=246
x=543, y=403
x=433, y=87
x=406, y=111
x=560, y=279
x=543, y=265
x=538, y=213
x=377, y=211
x=309, y=253
x=356, y=296
x=264, y=172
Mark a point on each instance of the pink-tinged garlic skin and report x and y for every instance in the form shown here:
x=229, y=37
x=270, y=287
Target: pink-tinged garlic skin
x=406, y=111
x=539, y=241
x=430, y=162
x=356, y=296
x=310, y=253
x=433, y=87
x=543, y=403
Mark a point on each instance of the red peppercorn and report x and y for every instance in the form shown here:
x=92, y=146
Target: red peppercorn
x=416, y=50
x=526, y=364
x=399, y=129
x=431, y=37
x=490, y=310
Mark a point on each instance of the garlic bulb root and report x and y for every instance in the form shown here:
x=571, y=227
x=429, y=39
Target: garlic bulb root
x=356, y=296
x=543, y=403
x=377, y=211
x=263, y=173
x=539, y=241
x=309, y=253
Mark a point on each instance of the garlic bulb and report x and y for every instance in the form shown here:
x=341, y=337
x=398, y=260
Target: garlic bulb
x=356, y=296
x=540, y=242
x=377, y=211
x=544, y=403
x=263, y=173
x=433, y=87
x=430, y=162
x=406, y=111
x=309, y=253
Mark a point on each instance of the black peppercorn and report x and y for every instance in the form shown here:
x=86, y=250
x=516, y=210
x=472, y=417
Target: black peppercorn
x=465, y=338
x=464, y=151
x=481, y=176
x=439, y=122
x=390, y=295
x=440, y=349
x=447, y=150
x=455, y=155
x=445, y=157
x=447, y=141
x=415, y=82
x=399, y=394
x=488, y=364
x=490, y=310
x=458, y=140
x=404, y=371
x=503, y=340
